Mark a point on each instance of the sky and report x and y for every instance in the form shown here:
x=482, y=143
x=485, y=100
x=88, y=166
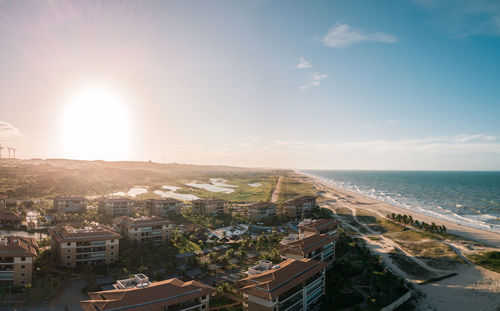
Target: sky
x=403, y=85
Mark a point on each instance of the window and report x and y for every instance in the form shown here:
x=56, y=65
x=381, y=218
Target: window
x=68, y=244
x=23, y=258
x=68, y=263
x=111, y=260
x=23, y=267
x=68, y=257
x=112, y=254
x=69, y=251
x=112, y=241
x=203, y=307
x=112, y=246
x=23, y=274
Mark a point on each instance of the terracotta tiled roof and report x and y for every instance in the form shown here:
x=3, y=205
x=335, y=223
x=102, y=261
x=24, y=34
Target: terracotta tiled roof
x=321, y=224
x=95, y=233
x=116, y=199
x=142, y=221
x=300, y=200
x=270, y=284
x=260, y=205
x=10, y=216
x=209, y=201
x=153, y=297
x=70, y=199
x=164, y=200
x=308, y=244
x=16, y=246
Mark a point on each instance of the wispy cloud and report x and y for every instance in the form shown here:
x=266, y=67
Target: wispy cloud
x=343, y=35
x=302, y=63
x=464, y=18
x=314, y=79
x=7, y=130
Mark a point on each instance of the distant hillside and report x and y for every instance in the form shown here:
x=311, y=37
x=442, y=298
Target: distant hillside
x=37, y=178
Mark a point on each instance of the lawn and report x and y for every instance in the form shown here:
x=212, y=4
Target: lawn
x=487, y=260
x=292, y=187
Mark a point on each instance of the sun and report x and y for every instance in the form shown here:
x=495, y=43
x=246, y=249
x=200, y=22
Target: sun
x=96, y=126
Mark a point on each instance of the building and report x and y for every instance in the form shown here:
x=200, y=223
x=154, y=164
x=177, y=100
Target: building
x=290, y=285
x=91, y=245
x=321, y=226
x=116, y=206
x=317, y=247
x=16, y=260
x=138, y=294
x=10, y=219
x=261, y=210
x=164, y=207
x=299, y=206
x=209, y=207
x=155, y=229
x=70, y=204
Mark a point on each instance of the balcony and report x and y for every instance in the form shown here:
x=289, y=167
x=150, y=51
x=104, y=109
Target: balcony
x=6, y=276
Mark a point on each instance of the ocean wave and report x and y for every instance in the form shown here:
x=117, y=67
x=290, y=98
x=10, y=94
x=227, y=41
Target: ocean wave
x=433, y=210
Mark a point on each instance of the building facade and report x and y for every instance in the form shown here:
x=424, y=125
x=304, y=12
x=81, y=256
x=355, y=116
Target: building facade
x=319, y=226
x=209, y=207
x=164, y=207
x=299, y=207
x=138, y=294
x=70, y=204
x=97, y=245
x=289, y=286
x=261, y=210
x=317, y=247
x=17, y=255
x=117, y=206
x=144, y=229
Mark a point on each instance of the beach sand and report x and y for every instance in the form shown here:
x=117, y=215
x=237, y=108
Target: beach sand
x=488, y=238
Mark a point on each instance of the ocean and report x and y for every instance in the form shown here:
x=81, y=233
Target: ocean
x=464, y=197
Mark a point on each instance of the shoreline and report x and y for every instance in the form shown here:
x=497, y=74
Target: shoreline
x=356, y=200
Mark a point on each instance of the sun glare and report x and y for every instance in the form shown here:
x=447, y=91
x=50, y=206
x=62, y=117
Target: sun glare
x=95, y=126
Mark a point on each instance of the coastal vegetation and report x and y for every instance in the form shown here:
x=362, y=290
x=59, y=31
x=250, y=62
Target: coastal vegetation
x=489, y=260
x=421, y=225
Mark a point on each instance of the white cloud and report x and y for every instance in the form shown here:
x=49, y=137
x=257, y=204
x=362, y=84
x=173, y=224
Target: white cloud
x=314, y=79
x=343, y=35
x=302, y=63
x=7, y=130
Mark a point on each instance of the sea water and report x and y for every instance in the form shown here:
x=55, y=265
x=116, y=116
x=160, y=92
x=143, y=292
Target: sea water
x=465, y=197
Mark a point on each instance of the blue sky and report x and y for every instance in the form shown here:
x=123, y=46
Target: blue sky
x=381, y=85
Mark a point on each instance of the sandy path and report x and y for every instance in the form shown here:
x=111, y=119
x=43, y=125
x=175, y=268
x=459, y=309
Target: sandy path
x=277, y=191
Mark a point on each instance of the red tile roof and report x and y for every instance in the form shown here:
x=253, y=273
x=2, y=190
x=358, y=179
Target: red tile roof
x=308, y=244
x=153, y=297
x=16, y=246
x=94, y=233
x=271, y=284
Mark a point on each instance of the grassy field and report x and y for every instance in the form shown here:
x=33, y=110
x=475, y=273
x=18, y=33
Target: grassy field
x=36, y=178
x=293, y=186
x=487, y=260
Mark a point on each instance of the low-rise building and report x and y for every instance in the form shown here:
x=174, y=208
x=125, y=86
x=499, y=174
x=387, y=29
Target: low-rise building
x=290, y=285
x=261, y=210
x=317, y=246
x=16, y=260
x=116, y=206
x=94, y=245
x=321, y=226
x=164, y=207
x=299, y=206
x=155, y=229
x=70, y=204
x=139, y=294
x=209, y=207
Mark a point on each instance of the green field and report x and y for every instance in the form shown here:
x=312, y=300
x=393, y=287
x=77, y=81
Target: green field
x=487, y=260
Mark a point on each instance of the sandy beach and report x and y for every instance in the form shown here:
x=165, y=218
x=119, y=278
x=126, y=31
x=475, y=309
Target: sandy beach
x=489, y=238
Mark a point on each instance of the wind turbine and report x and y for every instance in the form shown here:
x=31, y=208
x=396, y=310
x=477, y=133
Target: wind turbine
x=14, y=152
x=1, y=151
x=9, y=149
